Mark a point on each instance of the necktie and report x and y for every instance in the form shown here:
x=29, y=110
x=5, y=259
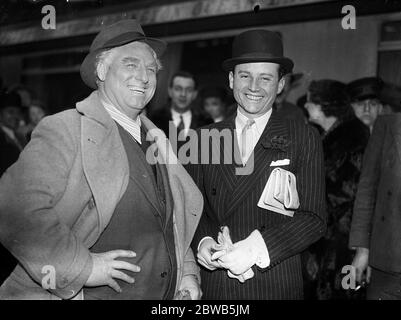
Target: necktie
x=181, y=125
x=246, y=140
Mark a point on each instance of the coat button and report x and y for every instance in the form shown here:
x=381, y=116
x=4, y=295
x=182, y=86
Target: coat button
x=91, y=203
x=214, y=192
x=383, y=218
x=262, y=228
x=163, y=274
x=389, y=193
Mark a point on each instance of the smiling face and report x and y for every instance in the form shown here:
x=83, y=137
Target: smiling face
x=128, y=77
x=255, y=86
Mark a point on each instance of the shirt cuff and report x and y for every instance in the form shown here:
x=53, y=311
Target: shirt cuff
x=204, y=238
x=262, y=258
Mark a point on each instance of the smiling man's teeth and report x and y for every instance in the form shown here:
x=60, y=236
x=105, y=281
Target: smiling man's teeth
x=254, y=98
x=139, y=91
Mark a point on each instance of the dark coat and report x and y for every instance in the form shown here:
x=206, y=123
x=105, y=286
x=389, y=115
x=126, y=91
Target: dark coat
x=231, y=200
x=376, y=223
x=9, y=152
x=162, y=117
x=343, y=147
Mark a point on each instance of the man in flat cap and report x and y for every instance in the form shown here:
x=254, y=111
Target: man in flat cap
x=365, y=99
x=86, y=210
x=249, y=238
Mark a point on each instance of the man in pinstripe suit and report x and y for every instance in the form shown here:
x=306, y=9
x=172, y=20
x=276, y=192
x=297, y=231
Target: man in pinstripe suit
x=266, y=245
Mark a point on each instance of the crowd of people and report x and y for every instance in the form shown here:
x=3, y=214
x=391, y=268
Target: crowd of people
x=341, y=141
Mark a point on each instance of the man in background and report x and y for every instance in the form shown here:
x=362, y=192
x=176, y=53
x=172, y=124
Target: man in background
x=365, y=99
x=180, y=113
x=376, y=221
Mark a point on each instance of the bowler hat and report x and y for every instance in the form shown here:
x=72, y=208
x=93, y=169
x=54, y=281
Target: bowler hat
x=365, y=88
x=258, y=46
x=115, y=35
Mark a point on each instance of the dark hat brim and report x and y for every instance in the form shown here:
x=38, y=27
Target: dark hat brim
x=87, y=69
x=286, y=63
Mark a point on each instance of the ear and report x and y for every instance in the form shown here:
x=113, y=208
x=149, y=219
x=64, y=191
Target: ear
x=101, y=71
x=231, y=79
x=281, y=85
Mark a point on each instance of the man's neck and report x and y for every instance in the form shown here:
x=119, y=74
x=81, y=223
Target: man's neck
x=180, y=110
x=132, y=114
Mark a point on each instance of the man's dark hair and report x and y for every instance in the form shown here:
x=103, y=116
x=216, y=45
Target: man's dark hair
x=183, y=74
x=281, y=71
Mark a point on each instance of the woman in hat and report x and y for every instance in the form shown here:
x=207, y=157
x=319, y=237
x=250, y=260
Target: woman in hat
x=344, y=140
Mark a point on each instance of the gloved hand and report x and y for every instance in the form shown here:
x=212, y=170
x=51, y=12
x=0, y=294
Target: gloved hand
x=225, y=245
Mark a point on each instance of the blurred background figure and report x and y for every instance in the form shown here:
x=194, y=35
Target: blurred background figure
x=182, y=91
x=10, y=147
x=284, y=107
x=25, y=94
x=390, y=96
x=376, y=223
x=365, y=99
x=344, y=141
x=214, y=102
x=35, y=112
x=11, y=141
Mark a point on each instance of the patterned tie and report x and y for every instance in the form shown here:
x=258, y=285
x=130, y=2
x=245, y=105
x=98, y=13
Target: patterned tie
x=246, y=140
x=181, y=125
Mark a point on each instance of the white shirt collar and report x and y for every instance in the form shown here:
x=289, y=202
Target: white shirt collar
x=133, y=127
x=260, y=122
x=185, y=115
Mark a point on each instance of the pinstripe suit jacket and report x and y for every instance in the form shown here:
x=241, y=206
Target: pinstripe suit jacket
x=232, y=199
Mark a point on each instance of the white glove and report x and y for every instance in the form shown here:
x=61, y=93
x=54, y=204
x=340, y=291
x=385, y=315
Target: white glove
x=225, y=245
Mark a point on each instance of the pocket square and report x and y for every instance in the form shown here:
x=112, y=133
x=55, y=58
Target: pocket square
x=284, y=162
x=280, y=193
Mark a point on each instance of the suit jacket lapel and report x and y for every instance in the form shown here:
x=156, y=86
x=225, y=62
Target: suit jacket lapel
x=262, y=157
x=142, y=175
x=231, y=153
x=188, y=201
x=104, y=161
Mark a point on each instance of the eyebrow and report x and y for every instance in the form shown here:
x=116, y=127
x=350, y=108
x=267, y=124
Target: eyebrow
x=261, y=74
x=130, y=59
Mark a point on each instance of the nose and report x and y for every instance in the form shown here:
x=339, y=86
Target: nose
x=366, y=106
x=183, y=93
x=253, y=84
x=142, y=75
